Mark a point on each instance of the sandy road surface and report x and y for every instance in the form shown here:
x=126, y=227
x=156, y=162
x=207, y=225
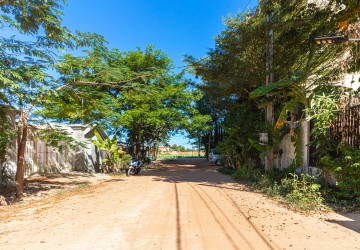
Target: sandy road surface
x=187, y=205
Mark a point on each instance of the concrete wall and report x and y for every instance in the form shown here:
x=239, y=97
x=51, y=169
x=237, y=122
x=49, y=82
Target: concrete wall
x=286, y=153
x=43, y=159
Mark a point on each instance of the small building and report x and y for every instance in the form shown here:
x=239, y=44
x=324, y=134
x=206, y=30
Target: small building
x=44, y=159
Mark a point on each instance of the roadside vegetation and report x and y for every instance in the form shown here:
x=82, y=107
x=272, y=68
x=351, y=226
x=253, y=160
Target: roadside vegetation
x=301, y=90
x=301, y=191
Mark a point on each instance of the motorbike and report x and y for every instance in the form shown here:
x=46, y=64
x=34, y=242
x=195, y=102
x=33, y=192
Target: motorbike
x=134, y=167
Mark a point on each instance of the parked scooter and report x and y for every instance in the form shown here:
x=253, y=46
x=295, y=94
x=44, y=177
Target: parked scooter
x=134, y=167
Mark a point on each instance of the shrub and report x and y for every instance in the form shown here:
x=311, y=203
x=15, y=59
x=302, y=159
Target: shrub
x=346, y=168
x=227, y=170
x=248, y=173
x=302, y=191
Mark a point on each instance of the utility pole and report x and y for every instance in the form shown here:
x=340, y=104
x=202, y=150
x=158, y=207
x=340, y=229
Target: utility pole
x=269, y=112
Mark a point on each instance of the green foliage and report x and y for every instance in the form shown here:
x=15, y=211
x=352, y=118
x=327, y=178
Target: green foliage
x=141, y=96
x=122, y=162
x=283, y=84
x=109, y=145
x=323, y=112
x=58, y=138
x=241, y=123
x=116, y=159
x=301, y=191
x=179, y=148
x=26, y=61
x=234, y=72
x=30, y=15
x=7, y=133
x=248, y=173
x=346, y=167
x=227, y=170
x=275, y=137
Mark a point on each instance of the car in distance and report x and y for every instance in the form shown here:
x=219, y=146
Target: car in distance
x=214, y=157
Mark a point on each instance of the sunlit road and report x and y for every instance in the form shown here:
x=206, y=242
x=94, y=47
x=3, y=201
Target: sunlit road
x=186, y=205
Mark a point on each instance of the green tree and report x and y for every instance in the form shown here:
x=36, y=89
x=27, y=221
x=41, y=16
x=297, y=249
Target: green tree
x=230, y=72
x=135, y=92
x=236, y=67
x=24, y=64
x=6, y=135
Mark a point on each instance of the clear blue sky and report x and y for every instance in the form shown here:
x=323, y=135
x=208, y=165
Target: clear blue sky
x=175, y=27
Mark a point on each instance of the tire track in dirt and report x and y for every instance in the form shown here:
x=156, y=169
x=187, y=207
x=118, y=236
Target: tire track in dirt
x=197, y=213
x=220, y=224
x=178, y=225
x=240, y=234
x=252, y=224
x=138, y=223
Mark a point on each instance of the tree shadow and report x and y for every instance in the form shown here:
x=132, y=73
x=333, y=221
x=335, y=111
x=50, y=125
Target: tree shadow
x=349, y=220
x=44, y=185
x=34, y=187
x=193, y=170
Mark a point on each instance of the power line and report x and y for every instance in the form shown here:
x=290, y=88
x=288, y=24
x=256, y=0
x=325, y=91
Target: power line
x=247, y=6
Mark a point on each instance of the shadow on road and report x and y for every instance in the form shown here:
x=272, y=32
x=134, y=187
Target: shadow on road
x=194, y=170
x=349, y=220
x=205, y=174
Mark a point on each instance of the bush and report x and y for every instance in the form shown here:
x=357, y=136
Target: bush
x=302, y=191
x=248, y=174
x=346, y=168
x=299, y=190
x=227, y=170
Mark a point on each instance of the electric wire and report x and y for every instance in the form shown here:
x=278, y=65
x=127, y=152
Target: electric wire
x=246, y=6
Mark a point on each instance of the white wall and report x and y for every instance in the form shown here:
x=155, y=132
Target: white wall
x=40, y=158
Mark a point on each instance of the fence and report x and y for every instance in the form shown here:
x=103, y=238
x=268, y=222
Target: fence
x=346, y=128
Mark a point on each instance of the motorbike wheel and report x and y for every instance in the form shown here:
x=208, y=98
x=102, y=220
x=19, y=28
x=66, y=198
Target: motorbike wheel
x=130, y=171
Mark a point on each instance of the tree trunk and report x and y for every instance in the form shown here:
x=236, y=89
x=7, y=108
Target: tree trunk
x=19, y=178
x=156, y=152
x=208, y=146
x=199, y=147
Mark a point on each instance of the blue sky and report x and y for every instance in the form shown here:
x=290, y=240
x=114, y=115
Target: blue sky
x=175, y=27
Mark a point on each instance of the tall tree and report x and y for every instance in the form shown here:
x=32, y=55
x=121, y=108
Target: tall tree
x=236, y=67
x=25, y=63
x=135, y=92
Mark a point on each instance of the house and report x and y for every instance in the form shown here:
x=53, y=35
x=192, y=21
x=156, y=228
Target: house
x=45, y=159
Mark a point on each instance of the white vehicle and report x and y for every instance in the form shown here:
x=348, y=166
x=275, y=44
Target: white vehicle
x=214, y=157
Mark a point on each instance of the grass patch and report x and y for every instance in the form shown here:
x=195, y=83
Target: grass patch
x=300, y=191
x=179, y=156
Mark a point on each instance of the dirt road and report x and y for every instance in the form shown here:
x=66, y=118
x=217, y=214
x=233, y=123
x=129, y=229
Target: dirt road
x=186, y=205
